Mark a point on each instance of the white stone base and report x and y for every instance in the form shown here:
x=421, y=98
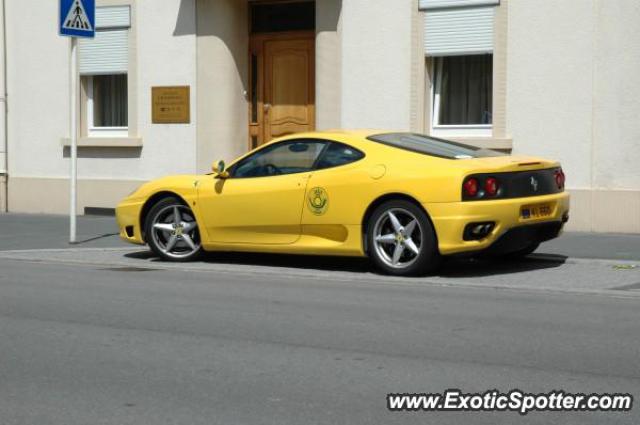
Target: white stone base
x=51, y=195
x=605, y=211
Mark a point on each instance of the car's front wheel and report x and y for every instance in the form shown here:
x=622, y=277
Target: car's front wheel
x=401, y=240
x=172, y=231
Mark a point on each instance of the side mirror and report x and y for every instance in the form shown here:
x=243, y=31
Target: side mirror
x=218, y=168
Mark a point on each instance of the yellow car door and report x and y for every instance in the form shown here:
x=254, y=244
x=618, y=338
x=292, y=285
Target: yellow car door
x=338, y=191
x=261, y=201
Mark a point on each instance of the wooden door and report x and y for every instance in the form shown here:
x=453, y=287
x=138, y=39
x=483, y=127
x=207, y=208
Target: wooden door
x=289, y=87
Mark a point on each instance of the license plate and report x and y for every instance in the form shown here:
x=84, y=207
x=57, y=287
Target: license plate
x=535, y=211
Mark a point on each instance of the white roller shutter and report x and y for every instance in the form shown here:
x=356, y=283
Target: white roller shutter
x=113, y=17
x=463, y=31
x=458, y=27
x=108, y=52
x=440, y=4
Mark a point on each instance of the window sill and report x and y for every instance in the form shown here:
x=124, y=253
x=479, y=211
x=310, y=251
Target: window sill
x=462, y=131
x=105, y=142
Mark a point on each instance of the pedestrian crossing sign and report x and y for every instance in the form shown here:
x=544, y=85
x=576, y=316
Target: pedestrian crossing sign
x=78, y=18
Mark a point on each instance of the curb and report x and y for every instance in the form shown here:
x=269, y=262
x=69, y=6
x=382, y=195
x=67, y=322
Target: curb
x=328, y=276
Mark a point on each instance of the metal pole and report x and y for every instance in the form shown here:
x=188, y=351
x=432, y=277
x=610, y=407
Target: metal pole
x=4, y=151
x=74, y=141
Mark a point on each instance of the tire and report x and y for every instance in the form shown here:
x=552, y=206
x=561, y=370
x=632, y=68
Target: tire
x=170, y=238
x=529, y=249
x=395, y=231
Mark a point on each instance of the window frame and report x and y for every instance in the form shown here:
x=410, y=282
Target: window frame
x=324, y=151
x=451, y=130
x=92, y=129
x=87, y=128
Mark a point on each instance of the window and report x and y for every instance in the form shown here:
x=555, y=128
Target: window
x=459, y=38
x=462, y=95
x=338, y=154
x=107, y=105
x=290, y=157
x=104, y=63
x=432, y=146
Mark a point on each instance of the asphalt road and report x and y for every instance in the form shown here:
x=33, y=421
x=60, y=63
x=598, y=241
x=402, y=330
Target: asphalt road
x=104, y=342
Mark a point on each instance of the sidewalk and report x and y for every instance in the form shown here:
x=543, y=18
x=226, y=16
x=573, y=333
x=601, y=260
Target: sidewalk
x=31, y=231
x=41, y=231
x=613, y=246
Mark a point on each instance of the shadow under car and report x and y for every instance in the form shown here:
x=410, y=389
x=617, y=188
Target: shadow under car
x=451, y=267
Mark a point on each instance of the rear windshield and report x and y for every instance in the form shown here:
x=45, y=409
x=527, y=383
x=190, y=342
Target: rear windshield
x=432, y=146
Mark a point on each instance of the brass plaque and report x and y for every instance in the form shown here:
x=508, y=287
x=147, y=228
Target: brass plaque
x=170, y=105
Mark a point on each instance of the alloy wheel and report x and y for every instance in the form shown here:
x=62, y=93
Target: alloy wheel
x=398, y=238
x=175, y=232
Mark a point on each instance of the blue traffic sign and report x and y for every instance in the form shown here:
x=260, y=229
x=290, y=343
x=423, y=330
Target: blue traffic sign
x=78, y=18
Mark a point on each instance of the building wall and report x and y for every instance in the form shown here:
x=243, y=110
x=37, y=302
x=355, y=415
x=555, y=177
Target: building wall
x=3, y=114
x=570, y=84
x=573, y=94
x=328, y=64
x=166, y=50
x=616, y=95
x=38, y=87
x=377, y=64
x=38, y=91
x=201, y=43
x=370, y=69
x=222, y=67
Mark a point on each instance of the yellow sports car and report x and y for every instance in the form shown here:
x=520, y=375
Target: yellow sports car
x=404, y=200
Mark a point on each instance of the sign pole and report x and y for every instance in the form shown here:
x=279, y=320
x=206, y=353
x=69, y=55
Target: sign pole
x=77, y=18
x=74, y=142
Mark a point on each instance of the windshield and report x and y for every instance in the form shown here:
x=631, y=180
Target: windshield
x=428, y=145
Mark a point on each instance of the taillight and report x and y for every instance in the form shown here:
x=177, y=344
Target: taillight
x=560, y=178
x=491, y=186
x=471, y=187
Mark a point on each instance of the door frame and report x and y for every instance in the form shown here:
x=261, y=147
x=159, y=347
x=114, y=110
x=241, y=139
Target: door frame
x=256, y=50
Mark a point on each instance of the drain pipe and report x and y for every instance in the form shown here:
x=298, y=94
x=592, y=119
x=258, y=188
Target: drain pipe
x=4, y=156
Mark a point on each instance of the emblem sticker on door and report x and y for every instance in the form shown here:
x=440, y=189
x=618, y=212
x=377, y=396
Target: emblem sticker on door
x=318, y=201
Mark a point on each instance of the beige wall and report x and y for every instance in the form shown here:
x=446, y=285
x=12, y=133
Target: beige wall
x=377, y=57
x=616, y=95
x=222, y=67
x=38, y=87
x=500, y=53
x=418, y=106
x=573, y=93
x=328, y=64
x=162, y=52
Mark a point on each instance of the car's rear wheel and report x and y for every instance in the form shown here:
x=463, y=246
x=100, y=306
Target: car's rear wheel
x=172, y=231
x=401, y=240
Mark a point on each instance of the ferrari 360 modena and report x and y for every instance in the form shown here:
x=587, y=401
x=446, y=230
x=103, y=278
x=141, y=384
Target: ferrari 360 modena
x=403, y=200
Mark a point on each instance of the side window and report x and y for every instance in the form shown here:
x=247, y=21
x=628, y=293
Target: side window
x=296, y=156
x=338, y=154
